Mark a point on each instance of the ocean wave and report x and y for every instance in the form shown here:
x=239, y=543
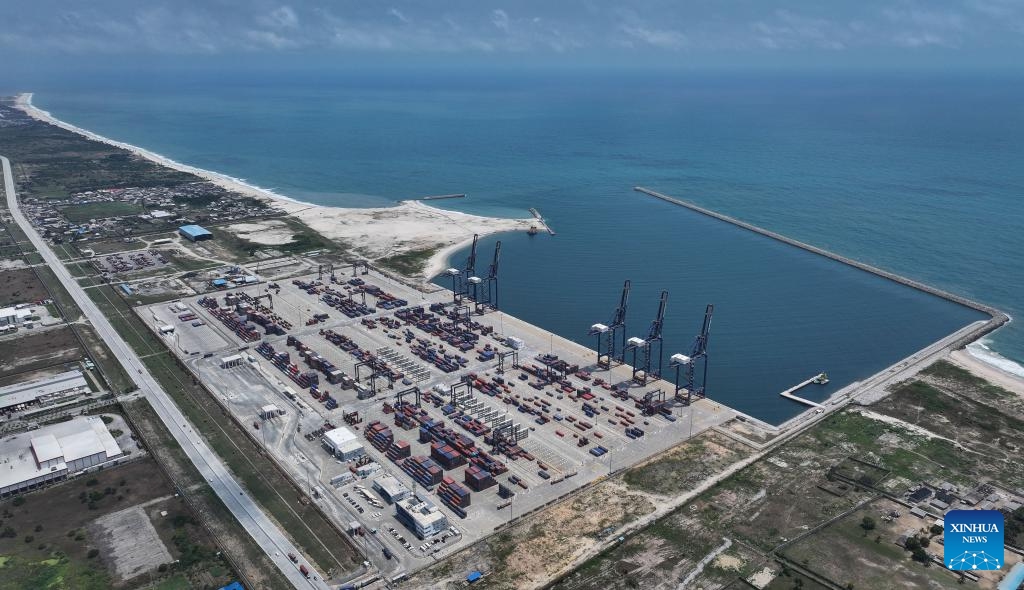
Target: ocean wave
x=981, y=351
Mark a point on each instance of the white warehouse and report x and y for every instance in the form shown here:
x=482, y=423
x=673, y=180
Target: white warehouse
x=343, y=444
x=29, y=459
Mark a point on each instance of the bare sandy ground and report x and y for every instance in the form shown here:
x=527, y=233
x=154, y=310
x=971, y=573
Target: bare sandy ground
x=374, y=233
x=990, y=373
x=411, y=225
x=267, y=232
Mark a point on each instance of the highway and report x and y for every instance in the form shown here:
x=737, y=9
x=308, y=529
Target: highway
x=266, y=533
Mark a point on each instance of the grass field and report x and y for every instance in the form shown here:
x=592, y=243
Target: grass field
x=681, y=468
x=20, y=286
x=880, y=563
x=227, y=246
x=35, y=350
x=234, y=540
x=85, y=212
x=52, y=547
x=409, y=264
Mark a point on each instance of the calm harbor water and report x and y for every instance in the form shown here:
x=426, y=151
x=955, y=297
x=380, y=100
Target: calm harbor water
x=923, y=177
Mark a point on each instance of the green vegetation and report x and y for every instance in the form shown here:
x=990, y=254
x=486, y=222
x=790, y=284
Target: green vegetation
x=228, y=246
x=680, y=469
x=1014, y=529
x=53, y=162
x=176, y=582
x=410, y=263
x=55, y=572
x=87, y=211
x=211, y=510
x=108, y=367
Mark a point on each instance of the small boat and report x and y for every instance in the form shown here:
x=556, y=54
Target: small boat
x=533, y=230
x=821, y=379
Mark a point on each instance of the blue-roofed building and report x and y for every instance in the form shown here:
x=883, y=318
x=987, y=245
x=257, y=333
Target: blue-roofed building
x=474, y=577
x=233, y=586
x=219, y=283
x=195, y=233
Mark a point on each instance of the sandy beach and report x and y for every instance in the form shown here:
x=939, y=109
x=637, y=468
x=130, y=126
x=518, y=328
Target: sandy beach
x=374, y=233
x=991, y=373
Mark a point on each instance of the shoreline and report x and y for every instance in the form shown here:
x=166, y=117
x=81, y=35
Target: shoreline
x=990, y=372
x=394, y=232
x=24, y=102
x=379, y=232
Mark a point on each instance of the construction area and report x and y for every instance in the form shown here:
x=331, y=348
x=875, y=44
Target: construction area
x=371, y=393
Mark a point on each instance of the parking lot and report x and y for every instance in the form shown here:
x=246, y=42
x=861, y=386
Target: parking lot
x=126, y=262
x=544, y=426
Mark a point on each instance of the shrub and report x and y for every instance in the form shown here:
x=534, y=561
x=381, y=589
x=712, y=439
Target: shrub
x=18, y=500
x=93, y=553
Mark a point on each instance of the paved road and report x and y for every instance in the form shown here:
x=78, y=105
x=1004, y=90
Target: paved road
x=266, y=534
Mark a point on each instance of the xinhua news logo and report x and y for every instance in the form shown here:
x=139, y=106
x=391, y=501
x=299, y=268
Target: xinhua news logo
x=973, y=539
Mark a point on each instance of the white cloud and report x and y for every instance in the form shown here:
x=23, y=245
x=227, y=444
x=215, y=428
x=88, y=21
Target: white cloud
x=915, y=40
x=661, y=38
x=399, y=15
x=598, y=27
x=283, y=17
x=499, y=18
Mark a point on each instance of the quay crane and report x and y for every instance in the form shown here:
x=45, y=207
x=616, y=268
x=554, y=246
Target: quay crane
x=653, y=337
x=490, y=295
x=606, y=334
x=699, y=352
x=461, y=278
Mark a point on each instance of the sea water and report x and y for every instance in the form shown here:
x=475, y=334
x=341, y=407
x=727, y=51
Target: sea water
x=920, y=175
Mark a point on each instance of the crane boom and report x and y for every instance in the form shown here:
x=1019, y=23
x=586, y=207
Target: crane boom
x=619, y=318
x=492, y=272
x=471, y=261
x=659, y=321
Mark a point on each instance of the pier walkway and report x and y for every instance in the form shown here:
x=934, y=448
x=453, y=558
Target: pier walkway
x=440, y=197
x=537, y=215
x=789, y=392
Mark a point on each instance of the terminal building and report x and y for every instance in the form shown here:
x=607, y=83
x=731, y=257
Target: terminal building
x=420, y=516
x=31, y=459
x=343, y=444
x=42, y=392
x=195, y=233
x=390, y=488
x=12, y=316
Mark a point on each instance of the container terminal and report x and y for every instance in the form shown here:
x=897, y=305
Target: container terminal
x=423, y=421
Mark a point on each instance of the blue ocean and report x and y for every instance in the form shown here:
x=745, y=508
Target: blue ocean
x=921, y=175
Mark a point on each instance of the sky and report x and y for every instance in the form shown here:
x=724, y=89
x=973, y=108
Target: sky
x=685, y=33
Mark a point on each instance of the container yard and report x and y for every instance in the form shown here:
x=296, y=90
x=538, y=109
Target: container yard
x=465, y=414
